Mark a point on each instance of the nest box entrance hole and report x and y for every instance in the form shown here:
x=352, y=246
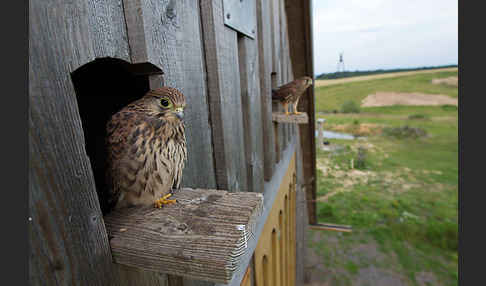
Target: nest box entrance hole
x=103, y=87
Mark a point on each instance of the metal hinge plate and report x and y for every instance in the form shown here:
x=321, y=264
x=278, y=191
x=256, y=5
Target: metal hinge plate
x=240, y=15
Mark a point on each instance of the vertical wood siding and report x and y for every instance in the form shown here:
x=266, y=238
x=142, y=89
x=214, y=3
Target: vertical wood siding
x=226, y=78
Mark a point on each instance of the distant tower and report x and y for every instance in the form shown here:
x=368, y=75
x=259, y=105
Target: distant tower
x=340, y=65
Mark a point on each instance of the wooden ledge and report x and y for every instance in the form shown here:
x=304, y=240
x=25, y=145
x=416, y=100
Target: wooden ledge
x=281, y=117
x=202, y=236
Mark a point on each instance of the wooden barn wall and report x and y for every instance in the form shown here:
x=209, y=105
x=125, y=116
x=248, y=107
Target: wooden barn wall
x=299, y=20
x=226, y=77
x=221, y=53
x=68, y=240
x=168, y=34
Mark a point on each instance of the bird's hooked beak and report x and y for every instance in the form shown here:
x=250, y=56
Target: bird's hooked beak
x=179, y=112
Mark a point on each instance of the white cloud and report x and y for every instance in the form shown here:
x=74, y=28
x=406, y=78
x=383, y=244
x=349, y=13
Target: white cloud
x=384, y=34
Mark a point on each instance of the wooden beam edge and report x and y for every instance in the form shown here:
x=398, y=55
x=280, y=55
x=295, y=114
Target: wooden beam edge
x=143, y=246
x=281, y=117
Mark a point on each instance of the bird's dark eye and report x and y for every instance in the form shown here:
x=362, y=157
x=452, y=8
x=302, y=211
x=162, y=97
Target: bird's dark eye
x=164, y=102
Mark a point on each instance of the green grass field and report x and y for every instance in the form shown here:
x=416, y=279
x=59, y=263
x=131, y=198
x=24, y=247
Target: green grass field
x=329, y=98
x=402, y=202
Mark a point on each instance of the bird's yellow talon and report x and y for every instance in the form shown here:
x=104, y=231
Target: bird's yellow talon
x=166, y=196
x=164, y=201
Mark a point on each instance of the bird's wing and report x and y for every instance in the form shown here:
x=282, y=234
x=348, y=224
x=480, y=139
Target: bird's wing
x=284, y=91
x=123, y=130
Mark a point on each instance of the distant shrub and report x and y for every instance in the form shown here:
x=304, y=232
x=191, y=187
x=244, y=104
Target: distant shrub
x=449, y=107
x=326, y=212
x=356, y=122
x=418, y=117
x=350, y=107
x=404, y=132
x=442, y=234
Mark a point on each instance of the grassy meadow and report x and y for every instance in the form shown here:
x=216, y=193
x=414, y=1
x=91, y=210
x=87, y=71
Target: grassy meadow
x=397, y=188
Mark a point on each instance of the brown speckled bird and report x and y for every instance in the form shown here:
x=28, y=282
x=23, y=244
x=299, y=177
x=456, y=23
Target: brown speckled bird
x=291, y=92
x=146, y=147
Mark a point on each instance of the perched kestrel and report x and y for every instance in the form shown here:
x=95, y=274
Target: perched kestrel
x=146, y=146
x=291, y=92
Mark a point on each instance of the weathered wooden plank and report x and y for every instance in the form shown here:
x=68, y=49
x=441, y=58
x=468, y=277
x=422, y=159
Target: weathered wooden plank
x=251, y=107
x=107, y=26
x=275, y=36
x=299, y=21
x=221, y=51
x=277, y=79
x=168, y=34
x=285, y=59
x=135, y=276
x=281, y=117
x=135, y=30
x=67, y=238
x=333, y=227
x=301, y=214
x=201, y=236
x=265, y=63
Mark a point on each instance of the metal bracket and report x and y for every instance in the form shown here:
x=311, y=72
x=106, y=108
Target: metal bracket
x=240, y=15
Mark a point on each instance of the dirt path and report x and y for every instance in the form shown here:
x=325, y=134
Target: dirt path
x=415, y=98
x=325, y=82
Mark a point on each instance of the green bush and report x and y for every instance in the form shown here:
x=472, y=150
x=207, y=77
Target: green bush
x=449, y=107
x=443, y=235
x=418, y=117
x=326, y=211
x=404, y=132
x=350, y=107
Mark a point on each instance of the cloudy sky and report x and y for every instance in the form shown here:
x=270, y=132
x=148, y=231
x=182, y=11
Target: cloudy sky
x=384, y=34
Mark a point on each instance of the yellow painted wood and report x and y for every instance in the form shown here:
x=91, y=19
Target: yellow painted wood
x=274, y=255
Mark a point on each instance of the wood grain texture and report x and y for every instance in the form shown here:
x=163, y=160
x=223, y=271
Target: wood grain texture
x=301, y=214
x=168, y=34
x=299, y=21
x=202, y=236
x=281, y=117
x=107, y=26
x=221, y=53
x=134, y=21
x=283, y=60
x=135, y=276
x=68, y=244
x=265, y=69
x=277, y=79
x=251, y=108
x=284, y=43
x=333, y=227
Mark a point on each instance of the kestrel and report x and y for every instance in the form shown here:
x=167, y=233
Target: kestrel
x=146, y=147
x=291, y=92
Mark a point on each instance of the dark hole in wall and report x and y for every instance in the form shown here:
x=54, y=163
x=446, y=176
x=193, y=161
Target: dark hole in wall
x=103, y=87
x=276, y=106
